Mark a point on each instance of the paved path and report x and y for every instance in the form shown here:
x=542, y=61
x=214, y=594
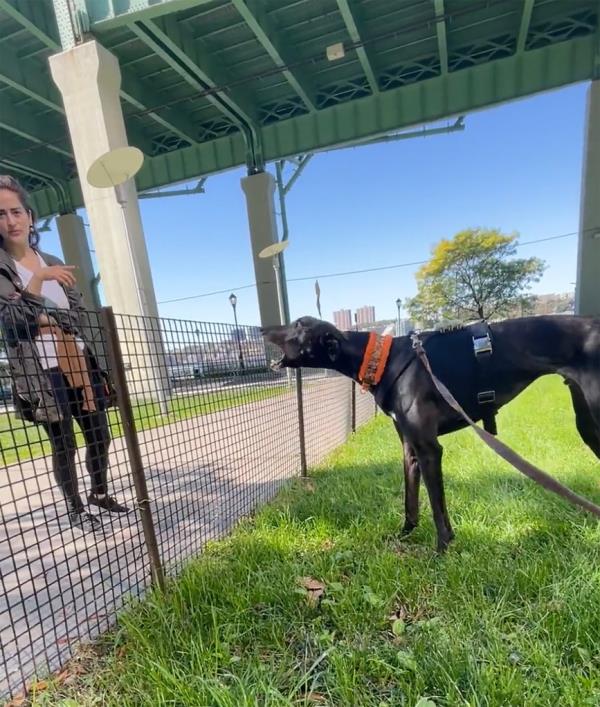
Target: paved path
x=60, y=587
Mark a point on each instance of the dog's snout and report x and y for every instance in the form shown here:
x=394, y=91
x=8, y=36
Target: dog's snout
x=273, y=328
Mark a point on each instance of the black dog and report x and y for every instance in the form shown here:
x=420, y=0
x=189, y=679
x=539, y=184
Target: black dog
x=523, y=350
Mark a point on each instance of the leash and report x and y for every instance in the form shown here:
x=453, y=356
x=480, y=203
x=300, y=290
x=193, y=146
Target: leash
x=522, y=465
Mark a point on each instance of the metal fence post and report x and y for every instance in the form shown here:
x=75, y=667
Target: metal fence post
x=300, y=400
x=117, y=369
x=353, y=406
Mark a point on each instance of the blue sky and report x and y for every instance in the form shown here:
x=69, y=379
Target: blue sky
x=516, y=167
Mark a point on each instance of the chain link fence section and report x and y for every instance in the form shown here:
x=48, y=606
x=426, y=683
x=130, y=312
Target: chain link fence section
x=202, y=433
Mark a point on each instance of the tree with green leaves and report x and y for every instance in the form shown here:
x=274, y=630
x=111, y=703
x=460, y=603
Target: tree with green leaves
x=473, y=276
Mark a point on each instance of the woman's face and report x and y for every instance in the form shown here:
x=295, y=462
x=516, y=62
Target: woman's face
x=15, y=220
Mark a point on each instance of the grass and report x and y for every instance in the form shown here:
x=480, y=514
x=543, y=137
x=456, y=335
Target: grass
x=20, y=441
x=509, y=616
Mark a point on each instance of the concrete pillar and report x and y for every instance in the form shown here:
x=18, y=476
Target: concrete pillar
x=76, y=251
x=89, y=80
x=259, y=190
x=587, y=293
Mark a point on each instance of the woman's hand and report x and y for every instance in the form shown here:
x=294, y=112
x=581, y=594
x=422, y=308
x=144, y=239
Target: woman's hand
x=61, y=273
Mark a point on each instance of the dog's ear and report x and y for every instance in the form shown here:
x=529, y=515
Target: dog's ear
x=332, y=346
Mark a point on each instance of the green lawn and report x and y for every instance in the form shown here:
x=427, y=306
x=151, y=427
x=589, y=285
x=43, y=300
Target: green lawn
x=22, y=441
x=509, y=616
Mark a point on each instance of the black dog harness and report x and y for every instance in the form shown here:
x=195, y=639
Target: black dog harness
x=486, y=395
x=484, y=377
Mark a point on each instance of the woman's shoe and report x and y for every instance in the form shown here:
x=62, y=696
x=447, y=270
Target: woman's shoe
x=108, y=503
x=83, y=520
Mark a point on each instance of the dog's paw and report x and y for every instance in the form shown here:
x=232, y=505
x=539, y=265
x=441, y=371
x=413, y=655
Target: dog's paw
x=407, y=529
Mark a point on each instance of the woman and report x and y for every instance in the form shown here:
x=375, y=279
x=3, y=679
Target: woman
x=56, y=377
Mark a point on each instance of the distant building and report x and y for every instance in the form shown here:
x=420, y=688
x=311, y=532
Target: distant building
x=343, y=319
x=406, y=326
x=563, y=303
x=365, y=315
x=238, y=334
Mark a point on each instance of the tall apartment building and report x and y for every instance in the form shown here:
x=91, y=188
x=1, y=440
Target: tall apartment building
x=365, y=315
x=343, y=319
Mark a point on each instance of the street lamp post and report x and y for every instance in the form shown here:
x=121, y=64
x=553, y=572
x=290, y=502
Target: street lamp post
x=399, y=306
x=198, y=368
x=233, y=302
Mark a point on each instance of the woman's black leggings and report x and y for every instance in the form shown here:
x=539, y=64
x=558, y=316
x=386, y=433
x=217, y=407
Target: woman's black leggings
x=94, y=426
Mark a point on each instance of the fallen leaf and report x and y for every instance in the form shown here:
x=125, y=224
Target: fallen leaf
x=39, y=686
x=315, y=697
x=313, y=585
x=314, y=589
x=69, y=672
x=17, y=701
x=425, y=702
x=62, y=676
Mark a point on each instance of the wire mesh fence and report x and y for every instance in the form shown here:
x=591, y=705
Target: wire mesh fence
x=180, y=429
x=326, y=432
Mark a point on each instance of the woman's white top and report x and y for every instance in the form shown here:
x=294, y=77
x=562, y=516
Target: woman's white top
x=54, y=298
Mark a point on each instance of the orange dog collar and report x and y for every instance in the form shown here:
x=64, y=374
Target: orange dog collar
x=374, y=360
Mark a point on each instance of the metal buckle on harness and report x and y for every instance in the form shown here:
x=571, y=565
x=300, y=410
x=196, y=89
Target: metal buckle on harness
x=486, y=396
x=482, y=344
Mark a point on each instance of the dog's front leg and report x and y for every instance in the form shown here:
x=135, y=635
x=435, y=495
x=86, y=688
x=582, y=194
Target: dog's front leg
x=412, y=481
x=429, y=456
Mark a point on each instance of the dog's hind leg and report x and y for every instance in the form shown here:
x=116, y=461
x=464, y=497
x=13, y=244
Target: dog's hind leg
x=587, y=426
x=412, y=481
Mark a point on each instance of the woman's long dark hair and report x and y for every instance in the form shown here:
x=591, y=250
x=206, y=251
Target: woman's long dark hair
x=11, y=184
